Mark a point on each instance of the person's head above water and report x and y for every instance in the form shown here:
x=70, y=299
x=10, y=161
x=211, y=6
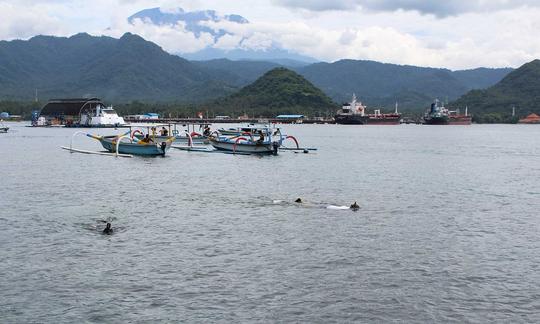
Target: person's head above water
x=108, y=229
x=298, y=200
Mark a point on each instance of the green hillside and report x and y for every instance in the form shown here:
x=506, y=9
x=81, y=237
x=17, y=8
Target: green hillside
x=519, y=89
x=380, y=84
x=124, y=69
x=279, y=91
x=131, y=69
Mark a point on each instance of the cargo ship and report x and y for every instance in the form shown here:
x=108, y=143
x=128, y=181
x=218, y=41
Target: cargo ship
x=354, y=113
x=439, y=115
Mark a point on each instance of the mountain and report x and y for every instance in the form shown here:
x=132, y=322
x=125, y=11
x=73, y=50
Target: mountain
x=271, y=54
x=130, y=68
x=481, y=78
x=278, y=91
x=380, y=84
x=236, y=73
x=198, y=23
x=519, y=89
x=124, y=69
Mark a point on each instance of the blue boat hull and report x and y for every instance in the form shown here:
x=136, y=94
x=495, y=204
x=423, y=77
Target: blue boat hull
x=150, y=149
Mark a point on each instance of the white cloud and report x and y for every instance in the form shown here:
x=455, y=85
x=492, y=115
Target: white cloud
x=173, y=38
x=475, y=33
x=16, y=23
x=439, y=8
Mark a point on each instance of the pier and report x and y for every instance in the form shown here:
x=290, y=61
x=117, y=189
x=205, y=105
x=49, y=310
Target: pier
x=229, y=121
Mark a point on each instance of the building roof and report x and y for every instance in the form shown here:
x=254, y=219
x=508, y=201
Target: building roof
x=68, y=107
x=531, y=119
x=290, y=116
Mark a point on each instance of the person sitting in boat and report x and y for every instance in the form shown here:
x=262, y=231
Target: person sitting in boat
x=108, y=229
x=355, y=206
x=261, y=138
x=164, y=132
x=146, y=140
x=206, y=131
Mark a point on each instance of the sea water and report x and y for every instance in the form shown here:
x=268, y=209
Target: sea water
x=447, y=230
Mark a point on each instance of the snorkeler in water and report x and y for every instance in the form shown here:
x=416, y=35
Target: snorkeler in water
x=108, y=230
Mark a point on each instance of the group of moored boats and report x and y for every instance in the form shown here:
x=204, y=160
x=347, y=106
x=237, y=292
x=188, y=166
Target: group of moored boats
x=355, y=113
x=148, y=140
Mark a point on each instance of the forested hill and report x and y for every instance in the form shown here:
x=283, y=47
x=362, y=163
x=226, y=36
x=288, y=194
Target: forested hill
x=279, y=91
x=519, y=89
x=384, y=84
x=124, y=69
x=133, y=69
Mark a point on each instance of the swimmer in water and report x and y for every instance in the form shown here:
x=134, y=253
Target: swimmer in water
x=355, y=206
x=298, y=200
x=108, y=230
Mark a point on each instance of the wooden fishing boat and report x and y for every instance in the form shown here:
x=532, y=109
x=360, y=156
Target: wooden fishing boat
x=250, y=129
x=244, y=145
x=126, y=145
x=185, y=139
x=250, y=142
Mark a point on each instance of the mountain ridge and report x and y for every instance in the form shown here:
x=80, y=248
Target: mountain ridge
x=520, y=89
x=131, y=68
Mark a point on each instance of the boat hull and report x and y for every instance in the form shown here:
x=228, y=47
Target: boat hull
x=351, y=119
x=4, y=129
x=244, y=147
x=178, y=139
x=445, y=120
x=151, y=149
x=384, y=121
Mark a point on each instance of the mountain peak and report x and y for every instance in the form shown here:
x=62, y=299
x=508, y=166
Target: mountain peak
x=278, y=91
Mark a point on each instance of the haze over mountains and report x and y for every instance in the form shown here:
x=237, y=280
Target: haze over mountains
x=130, y=68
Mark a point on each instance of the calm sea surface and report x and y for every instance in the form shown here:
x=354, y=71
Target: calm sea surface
x=448, y=229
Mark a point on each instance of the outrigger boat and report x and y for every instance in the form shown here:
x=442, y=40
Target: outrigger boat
x=135, y=147
x=237, y=131
x=250, y=142
x=188, y=136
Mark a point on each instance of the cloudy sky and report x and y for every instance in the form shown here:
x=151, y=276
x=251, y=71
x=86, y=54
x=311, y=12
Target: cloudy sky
x=454, y=33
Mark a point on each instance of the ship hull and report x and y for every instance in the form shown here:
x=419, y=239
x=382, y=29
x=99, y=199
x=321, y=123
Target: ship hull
x=459, y=120
x=384, y=121
x=351, y=119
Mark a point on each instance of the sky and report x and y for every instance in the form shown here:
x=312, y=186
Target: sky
x=455, y=34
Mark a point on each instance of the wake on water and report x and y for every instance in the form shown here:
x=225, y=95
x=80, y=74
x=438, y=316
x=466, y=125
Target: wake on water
x=311, y=205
